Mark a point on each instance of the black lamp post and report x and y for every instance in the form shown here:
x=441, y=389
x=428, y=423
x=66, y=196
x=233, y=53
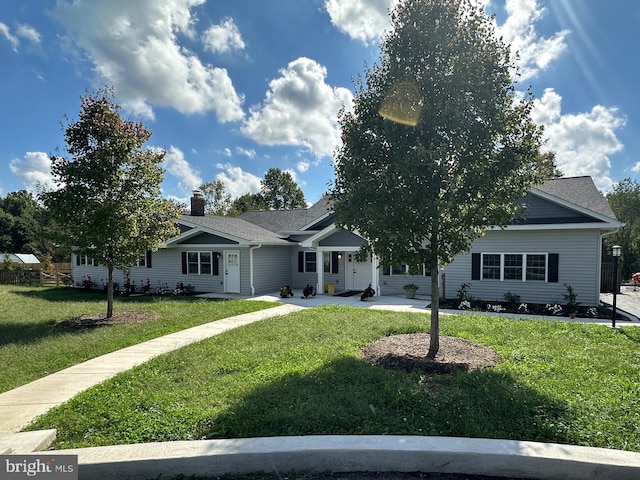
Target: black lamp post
x=616, y=251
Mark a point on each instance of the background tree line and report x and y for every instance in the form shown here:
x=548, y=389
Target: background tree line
x=25, y=226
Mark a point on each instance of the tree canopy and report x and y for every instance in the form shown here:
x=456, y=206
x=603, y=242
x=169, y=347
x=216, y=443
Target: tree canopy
x=439, y=145
x=107, y=200
x=624, y=199
x=280, y=192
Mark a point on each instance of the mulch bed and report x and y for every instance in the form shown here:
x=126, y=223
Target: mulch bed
x=408, y=352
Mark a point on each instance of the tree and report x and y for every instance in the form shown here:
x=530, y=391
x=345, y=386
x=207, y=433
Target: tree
x=439, y=145
x=21, y=224
x=247, y=202
x=280, y=192
x=624, y=199
x=218, y=202
x=108, y=202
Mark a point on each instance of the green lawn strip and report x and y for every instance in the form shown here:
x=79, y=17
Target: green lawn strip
x=301, y=375
x=31, y=346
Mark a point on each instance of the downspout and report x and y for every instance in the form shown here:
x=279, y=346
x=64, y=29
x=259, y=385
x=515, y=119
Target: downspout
x=253, y=288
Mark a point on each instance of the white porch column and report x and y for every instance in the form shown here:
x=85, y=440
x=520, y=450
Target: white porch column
x=320, y=267
x=375, y=274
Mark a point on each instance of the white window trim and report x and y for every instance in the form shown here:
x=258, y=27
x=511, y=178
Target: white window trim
x=212, y=259
x=304, y=262
x=524, y=256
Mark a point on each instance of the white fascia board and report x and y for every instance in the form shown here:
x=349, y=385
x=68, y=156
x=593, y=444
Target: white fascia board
x=312, y=241
x=316, y=220
x=198, y=229
x=610, y=225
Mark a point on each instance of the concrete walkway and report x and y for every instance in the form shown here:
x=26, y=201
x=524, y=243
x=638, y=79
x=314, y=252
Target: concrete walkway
x=18, y=407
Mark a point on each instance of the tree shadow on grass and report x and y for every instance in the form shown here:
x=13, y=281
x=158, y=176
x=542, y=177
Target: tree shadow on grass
x=349, y=396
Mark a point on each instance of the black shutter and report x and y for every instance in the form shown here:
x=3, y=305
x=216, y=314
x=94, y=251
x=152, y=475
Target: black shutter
x=553, y=267
x=334, y=262
x=148, y=259
x=184, y=263
x=301, y=261
x=77, y=259
x=475, y=266
x=216, y=263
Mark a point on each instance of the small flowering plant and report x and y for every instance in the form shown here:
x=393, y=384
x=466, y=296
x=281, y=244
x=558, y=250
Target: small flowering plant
x=464, y=305
x=554, y=309
x=592, y=312
x=523, y=308
x=496, y=308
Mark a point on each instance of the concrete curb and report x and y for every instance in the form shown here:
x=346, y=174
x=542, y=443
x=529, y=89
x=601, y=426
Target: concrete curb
x=368, y=453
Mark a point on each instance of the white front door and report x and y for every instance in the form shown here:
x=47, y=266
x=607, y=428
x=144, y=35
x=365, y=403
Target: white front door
x=358, y=273
x=232, y=271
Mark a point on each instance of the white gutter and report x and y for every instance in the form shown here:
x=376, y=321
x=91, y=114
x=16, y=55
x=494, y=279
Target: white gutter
x=253, y=288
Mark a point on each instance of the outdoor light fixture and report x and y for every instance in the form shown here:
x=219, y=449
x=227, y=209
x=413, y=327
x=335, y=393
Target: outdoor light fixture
x=616, y=252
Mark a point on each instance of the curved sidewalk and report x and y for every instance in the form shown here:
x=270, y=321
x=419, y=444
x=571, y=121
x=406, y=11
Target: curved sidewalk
x=18, y=407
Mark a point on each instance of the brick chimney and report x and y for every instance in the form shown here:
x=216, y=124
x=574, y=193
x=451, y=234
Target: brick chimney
x=197, y=204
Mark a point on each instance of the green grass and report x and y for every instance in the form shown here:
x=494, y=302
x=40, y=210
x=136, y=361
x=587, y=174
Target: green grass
x=301, y=375
x=31, y=346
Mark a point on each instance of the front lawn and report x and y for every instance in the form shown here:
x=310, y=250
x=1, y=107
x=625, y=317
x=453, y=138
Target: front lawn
x=301, y=374
x=32, y=344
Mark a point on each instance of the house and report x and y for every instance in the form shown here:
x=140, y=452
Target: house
x=556, y=241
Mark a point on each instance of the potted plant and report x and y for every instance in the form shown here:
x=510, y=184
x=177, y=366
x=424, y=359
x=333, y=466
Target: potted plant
x=410, y=289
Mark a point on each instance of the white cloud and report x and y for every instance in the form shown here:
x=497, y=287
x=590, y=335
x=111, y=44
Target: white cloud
x=299, y=109
x=178, y=166
x=135, y=46
x=6, y=33
x=236, y=181
x=636, y=167
x=34, y=169
x=536, y=53
x=363, y=20
x=582, y=142
x=28, y=32
x=303, y=166
x=223, y=38
x=227, y=152
x=251, y=153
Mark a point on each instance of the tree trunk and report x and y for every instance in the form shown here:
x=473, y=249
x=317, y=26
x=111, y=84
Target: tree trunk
x=110, y=292
x=434, y=333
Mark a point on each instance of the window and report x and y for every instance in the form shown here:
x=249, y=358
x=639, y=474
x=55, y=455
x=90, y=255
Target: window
x=85, y=260
x=512, y=267
x=491, y=266
x=310, y=262
x=536, y=267
x=142, y=261
x=200, y=263
x=525, y=267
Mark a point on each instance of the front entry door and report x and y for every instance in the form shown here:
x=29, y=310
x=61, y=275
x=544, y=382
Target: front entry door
x=358, y=273
x=232, y=271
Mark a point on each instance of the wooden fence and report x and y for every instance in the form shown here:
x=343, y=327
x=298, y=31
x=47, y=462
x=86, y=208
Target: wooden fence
x=606, y=277
x=33, y=274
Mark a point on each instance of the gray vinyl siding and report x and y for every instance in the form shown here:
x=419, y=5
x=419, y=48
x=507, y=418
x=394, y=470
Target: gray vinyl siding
x=578, y=252
x=209, y=239
x=538, y=209
x=271, y=269
x=343, y=238
x=392, y=284
x=300, y=280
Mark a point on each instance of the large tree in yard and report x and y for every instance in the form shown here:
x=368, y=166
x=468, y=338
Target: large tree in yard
x=439, y=145
x=108, y=202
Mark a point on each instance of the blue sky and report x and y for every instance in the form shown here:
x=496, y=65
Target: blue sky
x=233, y=88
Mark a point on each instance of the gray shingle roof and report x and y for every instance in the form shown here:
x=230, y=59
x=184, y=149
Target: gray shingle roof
x=580, y=191
x=237, y=227
x=287, y=220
